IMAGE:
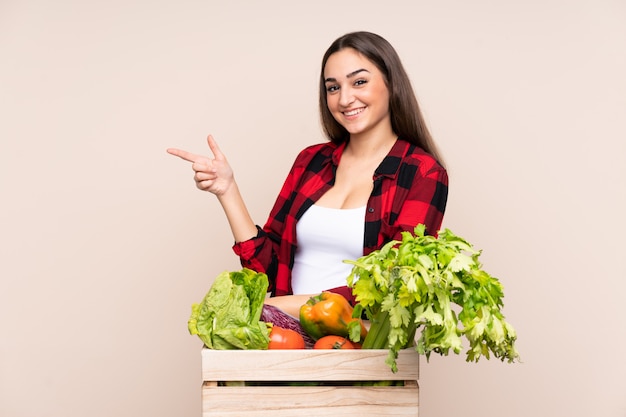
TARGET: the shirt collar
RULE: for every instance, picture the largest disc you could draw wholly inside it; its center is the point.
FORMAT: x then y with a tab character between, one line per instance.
337	152
390	165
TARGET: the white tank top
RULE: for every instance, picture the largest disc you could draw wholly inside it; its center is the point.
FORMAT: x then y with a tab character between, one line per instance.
326	237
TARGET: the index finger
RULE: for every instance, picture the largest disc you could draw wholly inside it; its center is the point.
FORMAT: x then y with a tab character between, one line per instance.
187	156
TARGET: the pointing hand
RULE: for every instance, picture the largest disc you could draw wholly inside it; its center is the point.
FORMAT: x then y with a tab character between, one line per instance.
210	174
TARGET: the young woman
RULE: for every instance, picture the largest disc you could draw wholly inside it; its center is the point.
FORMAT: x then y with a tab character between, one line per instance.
379	174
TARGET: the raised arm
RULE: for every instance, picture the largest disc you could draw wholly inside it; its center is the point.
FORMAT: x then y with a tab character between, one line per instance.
216	176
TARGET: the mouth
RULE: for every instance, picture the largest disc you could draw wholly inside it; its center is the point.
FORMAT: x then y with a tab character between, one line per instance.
353	112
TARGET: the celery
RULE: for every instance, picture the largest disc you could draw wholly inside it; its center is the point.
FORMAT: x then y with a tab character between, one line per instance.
414	284
378	332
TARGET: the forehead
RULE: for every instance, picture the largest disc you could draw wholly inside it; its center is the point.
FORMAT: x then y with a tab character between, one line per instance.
346	61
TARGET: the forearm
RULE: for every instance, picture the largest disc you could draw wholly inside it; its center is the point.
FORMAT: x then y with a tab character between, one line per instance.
290	304
241	224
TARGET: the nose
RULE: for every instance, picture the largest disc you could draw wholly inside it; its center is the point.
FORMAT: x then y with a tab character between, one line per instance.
346	97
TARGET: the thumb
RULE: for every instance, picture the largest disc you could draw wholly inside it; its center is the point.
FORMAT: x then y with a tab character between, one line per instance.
217	153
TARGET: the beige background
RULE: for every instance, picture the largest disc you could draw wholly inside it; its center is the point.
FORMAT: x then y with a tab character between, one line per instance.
106	243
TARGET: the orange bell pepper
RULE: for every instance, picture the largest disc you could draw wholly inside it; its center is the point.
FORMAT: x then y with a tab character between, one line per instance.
328	314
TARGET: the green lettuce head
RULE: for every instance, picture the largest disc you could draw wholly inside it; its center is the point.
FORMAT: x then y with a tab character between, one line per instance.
229	315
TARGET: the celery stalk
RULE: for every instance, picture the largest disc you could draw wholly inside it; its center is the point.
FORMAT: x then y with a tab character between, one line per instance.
378	332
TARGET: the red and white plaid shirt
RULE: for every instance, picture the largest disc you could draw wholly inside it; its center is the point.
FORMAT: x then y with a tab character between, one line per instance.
410	188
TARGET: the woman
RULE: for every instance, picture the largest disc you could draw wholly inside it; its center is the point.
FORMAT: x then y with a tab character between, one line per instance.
378	175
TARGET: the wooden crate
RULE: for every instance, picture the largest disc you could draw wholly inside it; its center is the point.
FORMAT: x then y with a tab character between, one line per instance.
270	370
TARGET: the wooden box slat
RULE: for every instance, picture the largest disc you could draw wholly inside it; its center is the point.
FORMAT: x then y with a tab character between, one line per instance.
310	401
306	364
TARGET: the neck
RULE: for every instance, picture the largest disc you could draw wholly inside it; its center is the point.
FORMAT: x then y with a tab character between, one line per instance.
372	146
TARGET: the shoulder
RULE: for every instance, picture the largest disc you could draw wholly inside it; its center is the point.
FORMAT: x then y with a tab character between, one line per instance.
321	151
326	148
414	155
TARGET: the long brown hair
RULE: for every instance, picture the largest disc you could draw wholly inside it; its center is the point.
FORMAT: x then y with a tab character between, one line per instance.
406	117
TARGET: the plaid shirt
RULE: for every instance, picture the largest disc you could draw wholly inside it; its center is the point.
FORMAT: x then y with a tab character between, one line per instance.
410	187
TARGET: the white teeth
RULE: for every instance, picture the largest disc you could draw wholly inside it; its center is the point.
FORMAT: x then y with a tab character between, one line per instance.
353	112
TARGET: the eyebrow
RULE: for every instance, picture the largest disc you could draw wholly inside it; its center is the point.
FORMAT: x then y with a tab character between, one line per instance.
350	75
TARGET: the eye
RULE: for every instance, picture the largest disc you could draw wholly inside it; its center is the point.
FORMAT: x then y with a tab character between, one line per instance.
331	88
360	82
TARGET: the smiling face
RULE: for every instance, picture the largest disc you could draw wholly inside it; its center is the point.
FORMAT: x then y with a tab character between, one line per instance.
356	94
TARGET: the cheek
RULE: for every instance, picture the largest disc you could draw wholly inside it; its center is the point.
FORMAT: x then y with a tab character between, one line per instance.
332	102
382	94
